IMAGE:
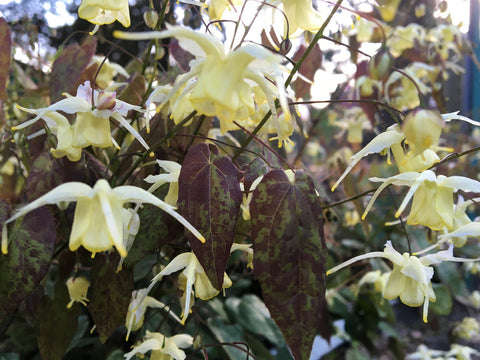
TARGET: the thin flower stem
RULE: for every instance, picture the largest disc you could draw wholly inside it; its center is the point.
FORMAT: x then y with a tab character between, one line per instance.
266	145
142	158
358	196
317	37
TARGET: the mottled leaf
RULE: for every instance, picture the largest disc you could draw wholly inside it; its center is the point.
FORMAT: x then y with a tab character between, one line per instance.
5	56
111	294
68	67
56	324
290	256
30	250
253	170
209	196
309	67
48	172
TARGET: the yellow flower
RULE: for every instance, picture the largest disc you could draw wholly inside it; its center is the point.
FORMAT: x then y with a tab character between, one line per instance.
77	289
131	225
219	83
107	72
432	197
406	161
388	9
98	220
411	276
137	308
195	276
301	16
92	124
162	347
422	129
173	172
60	127
100	12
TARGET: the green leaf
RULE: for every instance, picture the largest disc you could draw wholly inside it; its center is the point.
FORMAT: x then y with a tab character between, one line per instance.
229	335
111	294
290	256
255	317
69	66
209	197
30	250
5	56
56	324
443	305
451	277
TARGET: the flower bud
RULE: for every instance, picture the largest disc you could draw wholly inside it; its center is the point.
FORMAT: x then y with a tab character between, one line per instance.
285	46
422	129
380	64
151	18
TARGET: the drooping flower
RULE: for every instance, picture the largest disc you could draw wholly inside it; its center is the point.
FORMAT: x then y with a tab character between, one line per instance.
219	83
388	9
107	71
98	220
195	277
406	160
162	347
100	12
77	289
137	308
92	123
301	17
131	225
391	140
410	279
432	204
173	172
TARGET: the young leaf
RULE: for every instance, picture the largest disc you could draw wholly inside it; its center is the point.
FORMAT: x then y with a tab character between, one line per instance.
290	256
68	67
30	251
111	294
209	196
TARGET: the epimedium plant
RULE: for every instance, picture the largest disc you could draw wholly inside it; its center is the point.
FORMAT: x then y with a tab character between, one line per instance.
181	229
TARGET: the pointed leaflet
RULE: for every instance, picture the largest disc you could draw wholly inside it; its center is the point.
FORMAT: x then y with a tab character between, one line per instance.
68	67
209	196
111	294
30	250
5	56
290	253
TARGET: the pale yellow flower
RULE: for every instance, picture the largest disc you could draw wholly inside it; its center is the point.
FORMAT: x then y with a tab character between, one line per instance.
301	17
77	289
219	82
195	277
100	12
108	71
388	9
171	176
92	123
162	347
98	220
137	308
410	279
432	197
